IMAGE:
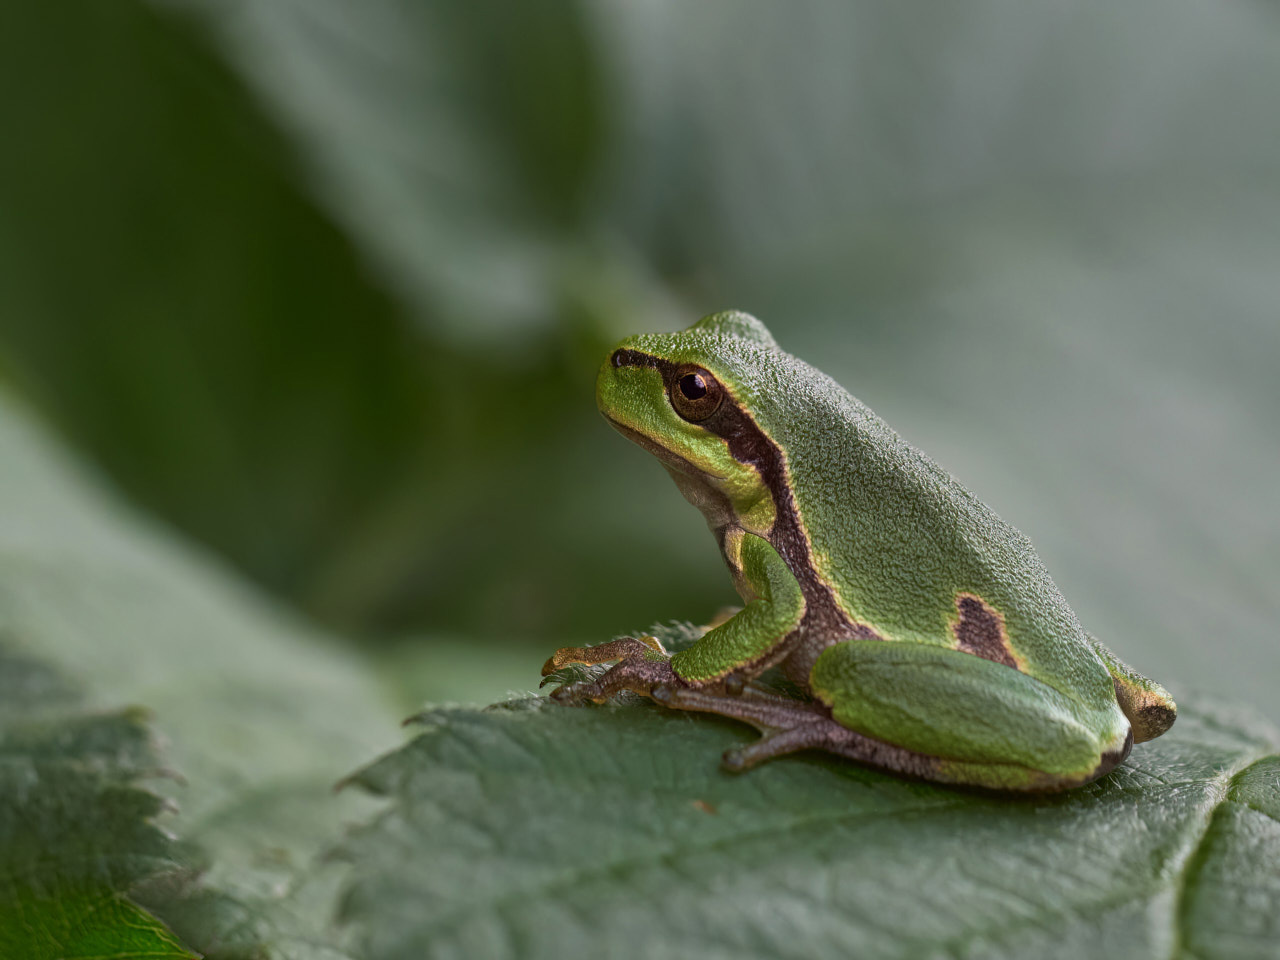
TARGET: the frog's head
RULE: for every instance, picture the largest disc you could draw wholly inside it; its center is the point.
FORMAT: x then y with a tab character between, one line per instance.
684	397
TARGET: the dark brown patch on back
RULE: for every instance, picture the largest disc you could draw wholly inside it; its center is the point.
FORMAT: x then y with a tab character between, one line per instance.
980	631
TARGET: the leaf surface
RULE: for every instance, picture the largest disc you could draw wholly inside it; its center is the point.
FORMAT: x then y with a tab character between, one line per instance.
262	714
535	830
77	829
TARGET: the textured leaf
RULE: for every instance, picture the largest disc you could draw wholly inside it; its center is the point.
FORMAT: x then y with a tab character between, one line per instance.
68	924
535	830
77	831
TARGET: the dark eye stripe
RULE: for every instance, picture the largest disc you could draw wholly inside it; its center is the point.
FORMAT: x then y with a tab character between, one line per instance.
634	358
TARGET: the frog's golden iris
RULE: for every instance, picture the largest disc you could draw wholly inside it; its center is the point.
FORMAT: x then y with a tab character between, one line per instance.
695	393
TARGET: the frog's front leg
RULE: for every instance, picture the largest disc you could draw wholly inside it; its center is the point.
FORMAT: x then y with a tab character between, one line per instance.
753	639
643	664
723	658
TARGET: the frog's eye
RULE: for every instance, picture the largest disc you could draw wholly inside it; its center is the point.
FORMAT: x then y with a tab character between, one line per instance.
695	393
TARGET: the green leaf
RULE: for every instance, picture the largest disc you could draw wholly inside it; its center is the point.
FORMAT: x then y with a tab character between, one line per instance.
274	397
466	190
262	715
94	924
536	830
78	833
265	388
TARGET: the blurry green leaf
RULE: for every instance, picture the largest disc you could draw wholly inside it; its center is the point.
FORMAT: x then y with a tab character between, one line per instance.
176	302
535	830
171	300
77	831
262	715
456	140
753	135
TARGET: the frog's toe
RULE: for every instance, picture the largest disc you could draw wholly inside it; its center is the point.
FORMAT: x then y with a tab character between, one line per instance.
552	665
734	760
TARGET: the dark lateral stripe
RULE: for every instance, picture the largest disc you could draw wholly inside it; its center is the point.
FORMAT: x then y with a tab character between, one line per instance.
751	445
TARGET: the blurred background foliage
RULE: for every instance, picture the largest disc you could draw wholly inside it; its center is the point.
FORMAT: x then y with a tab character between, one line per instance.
324	285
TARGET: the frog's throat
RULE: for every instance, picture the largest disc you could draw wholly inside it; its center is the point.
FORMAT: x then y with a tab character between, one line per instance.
690	479
670	459
751	445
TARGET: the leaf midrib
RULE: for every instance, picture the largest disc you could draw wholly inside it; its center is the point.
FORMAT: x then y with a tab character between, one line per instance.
1194	856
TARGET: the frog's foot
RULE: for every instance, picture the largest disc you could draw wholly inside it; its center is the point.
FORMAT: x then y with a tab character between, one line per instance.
830	737
644	664
788	726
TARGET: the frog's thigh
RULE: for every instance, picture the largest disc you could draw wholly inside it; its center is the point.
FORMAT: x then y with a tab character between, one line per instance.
986	723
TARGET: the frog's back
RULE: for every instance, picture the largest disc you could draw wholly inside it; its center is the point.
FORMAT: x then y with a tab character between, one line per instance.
909	552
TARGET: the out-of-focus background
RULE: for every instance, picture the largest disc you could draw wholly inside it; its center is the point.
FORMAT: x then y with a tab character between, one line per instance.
324	285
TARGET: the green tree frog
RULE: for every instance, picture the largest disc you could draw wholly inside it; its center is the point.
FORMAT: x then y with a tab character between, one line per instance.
924	630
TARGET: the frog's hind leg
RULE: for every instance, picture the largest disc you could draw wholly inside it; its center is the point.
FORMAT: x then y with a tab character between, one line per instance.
980	722
788	726
1148	705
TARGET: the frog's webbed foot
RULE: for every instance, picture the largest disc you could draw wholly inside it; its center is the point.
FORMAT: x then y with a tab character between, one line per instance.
643	664
787	725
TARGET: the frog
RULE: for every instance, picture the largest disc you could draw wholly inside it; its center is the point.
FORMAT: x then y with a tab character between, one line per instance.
911	628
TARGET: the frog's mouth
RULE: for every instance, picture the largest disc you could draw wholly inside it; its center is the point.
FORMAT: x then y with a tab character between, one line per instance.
669	459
